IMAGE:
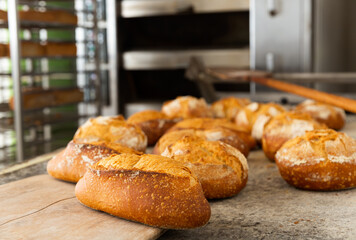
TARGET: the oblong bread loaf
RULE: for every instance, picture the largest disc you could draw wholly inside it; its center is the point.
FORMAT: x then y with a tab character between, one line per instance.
149	189
221	169
72	162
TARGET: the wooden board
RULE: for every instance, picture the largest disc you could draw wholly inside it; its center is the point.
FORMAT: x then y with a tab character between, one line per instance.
41	207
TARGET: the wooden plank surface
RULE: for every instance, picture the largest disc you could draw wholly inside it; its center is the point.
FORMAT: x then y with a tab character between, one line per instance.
41	207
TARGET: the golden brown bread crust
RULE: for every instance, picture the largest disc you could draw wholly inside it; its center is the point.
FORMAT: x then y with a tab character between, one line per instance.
112	129
49	16
72	163
186	107
319	160
254	116
149	189
228	107
39	98
284	127
221	169
153	123
331	116
217	134
210	123
60	49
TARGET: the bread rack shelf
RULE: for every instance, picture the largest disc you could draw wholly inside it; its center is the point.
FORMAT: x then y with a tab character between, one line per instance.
25	133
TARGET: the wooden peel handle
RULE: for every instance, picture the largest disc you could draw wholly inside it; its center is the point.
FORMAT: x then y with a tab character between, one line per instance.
342	102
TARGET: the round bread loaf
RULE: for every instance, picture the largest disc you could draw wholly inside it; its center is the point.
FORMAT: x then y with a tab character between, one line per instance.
284	127
218	134
319	160
228	107
149	189
72	162
221	169
153	123
112	129
210	123
186	107
254	116
331	116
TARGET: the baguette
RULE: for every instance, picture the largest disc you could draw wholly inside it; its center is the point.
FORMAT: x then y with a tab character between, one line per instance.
72	163
221	169
112	129
149	189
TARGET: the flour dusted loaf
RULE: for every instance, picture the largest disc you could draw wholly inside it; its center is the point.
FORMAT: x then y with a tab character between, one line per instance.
319	160
149	189
221	169
186	107
153	123
254	116
72	162
331	116
229	107
284	127
112	129
210	123
215	134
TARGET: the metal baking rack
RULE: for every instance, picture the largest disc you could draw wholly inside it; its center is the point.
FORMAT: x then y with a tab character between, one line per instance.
26	133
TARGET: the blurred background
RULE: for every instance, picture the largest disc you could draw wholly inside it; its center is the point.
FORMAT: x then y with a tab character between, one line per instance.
69	60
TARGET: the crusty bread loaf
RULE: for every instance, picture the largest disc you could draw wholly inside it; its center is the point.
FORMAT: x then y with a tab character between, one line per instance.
60	49
229	107
284	127
72	163
210	123
112	129
35	98
254	116
48	16
319	160
331	116
214	134
187	107
150	189
153	123
221	169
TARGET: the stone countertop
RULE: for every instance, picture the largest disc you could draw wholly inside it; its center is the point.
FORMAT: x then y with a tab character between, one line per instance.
267	208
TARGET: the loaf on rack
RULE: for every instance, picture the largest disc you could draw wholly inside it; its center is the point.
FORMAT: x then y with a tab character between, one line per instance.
319	160
214	134
187	107
34	49
153	123
149	189
229	107
112	129
60	49
48	16
221	169
72	162
210	123
254	116
331	116
36	98
284	127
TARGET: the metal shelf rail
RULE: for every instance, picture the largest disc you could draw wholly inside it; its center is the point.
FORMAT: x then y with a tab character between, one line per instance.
92	70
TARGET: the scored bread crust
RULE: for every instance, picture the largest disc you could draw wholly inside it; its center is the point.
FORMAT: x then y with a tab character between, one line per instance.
153	123
72	162
228	107
284	127
187	107
218	134
221	169
319	160
331	116
149	189
210	123
112	129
